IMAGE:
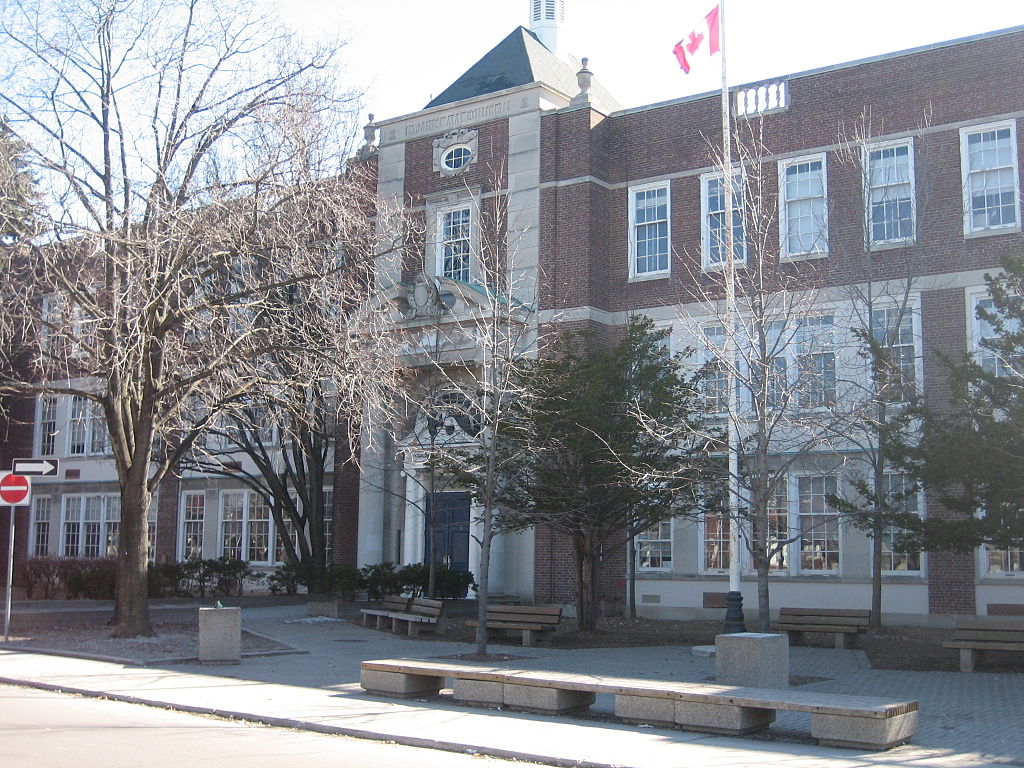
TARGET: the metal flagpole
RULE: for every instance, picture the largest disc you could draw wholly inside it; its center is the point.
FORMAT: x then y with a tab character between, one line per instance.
10	576
734	599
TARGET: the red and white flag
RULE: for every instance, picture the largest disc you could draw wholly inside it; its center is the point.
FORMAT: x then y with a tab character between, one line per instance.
703	41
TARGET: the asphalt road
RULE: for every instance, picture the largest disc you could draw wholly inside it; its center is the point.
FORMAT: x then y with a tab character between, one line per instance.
42	729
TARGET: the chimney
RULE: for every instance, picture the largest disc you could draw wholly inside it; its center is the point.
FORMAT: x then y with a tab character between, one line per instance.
547	22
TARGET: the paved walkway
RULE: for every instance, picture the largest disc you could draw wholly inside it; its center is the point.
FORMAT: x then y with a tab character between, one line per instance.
966	719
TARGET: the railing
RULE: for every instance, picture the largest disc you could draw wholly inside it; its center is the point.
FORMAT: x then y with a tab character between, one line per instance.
761	99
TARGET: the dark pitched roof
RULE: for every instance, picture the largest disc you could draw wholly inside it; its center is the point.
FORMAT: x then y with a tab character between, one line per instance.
519	59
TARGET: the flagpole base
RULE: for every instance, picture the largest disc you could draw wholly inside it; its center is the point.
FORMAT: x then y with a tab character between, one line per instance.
734	613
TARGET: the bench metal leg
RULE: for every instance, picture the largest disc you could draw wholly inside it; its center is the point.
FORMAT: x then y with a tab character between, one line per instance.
708	717
841	644
968	657
863	732
795	637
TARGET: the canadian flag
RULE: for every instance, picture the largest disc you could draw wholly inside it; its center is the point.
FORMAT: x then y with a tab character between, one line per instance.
702	41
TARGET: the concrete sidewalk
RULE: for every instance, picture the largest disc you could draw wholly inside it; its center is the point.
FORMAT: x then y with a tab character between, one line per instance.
966	720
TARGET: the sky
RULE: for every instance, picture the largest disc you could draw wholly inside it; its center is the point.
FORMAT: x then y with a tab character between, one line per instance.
404	52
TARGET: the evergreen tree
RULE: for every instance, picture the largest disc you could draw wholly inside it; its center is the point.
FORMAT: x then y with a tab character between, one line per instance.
17	189
971	456
583	459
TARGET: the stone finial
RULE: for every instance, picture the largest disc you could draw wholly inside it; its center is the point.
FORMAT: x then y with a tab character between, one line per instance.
585	78
369	137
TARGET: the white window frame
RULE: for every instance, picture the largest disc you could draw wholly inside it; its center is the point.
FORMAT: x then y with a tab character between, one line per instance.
975	333
42	523
870	185
468	207
466	152
820	246
710	334
723	541
970	230
246	521
890	531
1013	556
798	517
634	273
913	313
814	348
665	532
108	523
47	414
774	568
189	523
740	243
96	439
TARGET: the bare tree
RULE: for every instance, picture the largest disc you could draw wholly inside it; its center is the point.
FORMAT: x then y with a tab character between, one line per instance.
189	156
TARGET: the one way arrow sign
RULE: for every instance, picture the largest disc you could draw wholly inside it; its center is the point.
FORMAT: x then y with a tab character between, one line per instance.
35	467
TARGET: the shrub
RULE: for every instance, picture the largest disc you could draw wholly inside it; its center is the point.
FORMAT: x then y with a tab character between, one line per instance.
343	580
92	579
448	582
41	576
287	578
226	576
381	580
170	580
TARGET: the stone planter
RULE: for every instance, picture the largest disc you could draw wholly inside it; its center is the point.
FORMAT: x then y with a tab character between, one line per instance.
220	635
328	608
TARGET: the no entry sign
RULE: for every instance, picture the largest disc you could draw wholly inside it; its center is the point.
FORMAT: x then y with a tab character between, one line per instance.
15	490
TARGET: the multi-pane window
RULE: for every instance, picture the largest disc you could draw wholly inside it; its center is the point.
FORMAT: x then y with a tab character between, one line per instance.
649	241
716	541
654	547
91	525
778	526
988	157
819	524
714	232
803	220
901	496
41	507
893	331
890	193
1004	562
329	524
87	429
715	384
232	514
289	531
47	425
989	359
816	363
246	527
193	519
455	243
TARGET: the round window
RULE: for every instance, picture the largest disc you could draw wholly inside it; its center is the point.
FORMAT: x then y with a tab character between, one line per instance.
456	157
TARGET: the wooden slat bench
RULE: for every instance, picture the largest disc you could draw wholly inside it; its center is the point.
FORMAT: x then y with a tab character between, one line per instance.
421	613
381	617
844	623
528	619
836	720
974	636
1004	609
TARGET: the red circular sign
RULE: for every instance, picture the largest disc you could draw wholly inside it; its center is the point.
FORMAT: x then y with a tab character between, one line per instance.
14	489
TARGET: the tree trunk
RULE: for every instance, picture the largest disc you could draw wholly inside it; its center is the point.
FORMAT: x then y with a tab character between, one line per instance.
631	578
763	601
876	577
133	557
586	605
483	579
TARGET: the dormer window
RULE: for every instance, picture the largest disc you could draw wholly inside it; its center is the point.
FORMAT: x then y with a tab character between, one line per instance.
456	157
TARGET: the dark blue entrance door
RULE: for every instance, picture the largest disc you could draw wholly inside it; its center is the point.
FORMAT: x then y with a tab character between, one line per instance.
450	512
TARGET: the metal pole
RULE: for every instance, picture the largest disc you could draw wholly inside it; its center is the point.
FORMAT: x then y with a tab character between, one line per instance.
10	576
734	600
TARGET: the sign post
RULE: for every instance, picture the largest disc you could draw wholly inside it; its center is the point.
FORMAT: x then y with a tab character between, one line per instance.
15	491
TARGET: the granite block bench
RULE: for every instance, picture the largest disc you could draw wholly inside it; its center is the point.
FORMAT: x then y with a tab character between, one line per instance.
975	636
860	722
844	623
531	620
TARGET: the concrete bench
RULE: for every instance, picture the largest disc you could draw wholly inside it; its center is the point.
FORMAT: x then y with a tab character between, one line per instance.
381	617
528	619
420	614
836	720
974	636
844	623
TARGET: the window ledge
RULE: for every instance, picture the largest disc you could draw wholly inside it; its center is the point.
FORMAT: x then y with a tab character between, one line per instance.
650	276
992	232
891	245
809	256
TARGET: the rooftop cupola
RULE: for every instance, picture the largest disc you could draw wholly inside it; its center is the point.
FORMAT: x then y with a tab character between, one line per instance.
547	22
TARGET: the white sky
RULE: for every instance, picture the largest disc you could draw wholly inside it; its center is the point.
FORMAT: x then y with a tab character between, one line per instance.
404	52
